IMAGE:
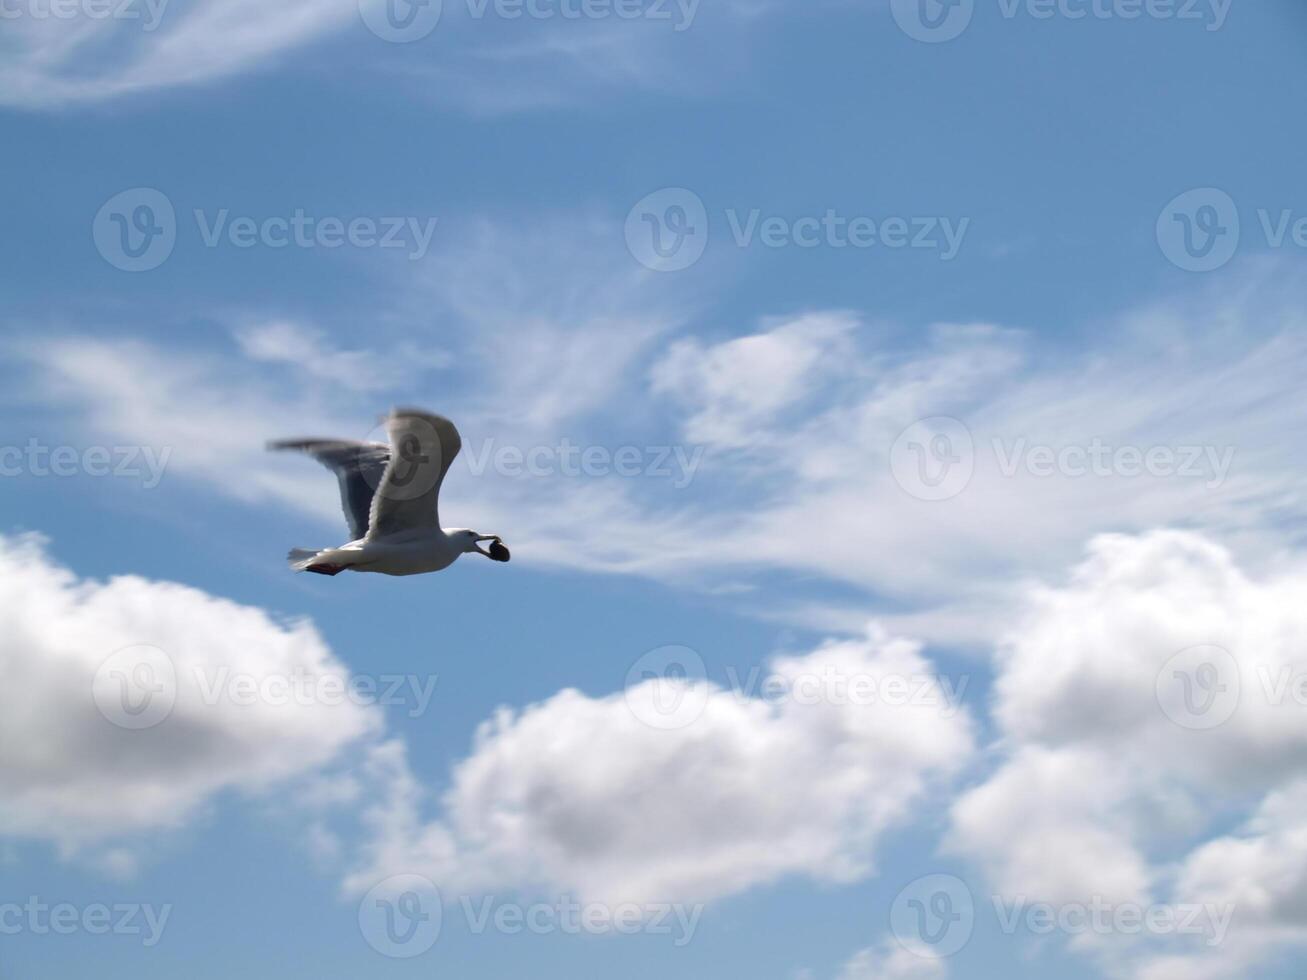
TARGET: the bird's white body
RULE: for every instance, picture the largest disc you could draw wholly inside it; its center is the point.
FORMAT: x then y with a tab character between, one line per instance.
408	553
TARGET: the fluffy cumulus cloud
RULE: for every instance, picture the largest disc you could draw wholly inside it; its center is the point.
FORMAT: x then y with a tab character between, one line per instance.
128	704
680	790
1144	706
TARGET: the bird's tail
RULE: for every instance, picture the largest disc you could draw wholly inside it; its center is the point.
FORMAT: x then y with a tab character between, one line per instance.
302	558
310	560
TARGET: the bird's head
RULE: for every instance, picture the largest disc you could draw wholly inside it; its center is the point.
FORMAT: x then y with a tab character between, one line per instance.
471	541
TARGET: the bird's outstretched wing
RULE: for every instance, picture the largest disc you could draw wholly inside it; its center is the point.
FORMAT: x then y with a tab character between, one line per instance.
422	447
359	468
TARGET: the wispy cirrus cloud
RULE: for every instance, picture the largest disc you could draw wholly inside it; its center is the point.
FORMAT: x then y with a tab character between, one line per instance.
479	56
53	61
928	473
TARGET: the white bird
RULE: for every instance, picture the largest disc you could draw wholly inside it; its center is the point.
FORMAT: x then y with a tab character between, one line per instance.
390	495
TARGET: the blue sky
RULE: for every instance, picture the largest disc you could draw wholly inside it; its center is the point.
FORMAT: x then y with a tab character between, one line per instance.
924	387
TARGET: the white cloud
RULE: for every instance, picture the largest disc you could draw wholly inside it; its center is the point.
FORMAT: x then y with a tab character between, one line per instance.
1261	872
555	320
311	352
1118	755
53	61
736	388
579	794
1203	382
890	961
71	775
521	376
486	64
480	64
798	419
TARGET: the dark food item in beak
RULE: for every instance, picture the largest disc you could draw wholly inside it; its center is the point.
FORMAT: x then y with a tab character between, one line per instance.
500	553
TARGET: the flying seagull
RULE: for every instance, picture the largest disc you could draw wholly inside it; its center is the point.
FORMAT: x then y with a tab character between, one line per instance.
389	494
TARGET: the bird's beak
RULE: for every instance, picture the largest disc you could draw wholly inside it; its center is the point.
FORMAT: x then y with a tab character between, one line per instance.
498	552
